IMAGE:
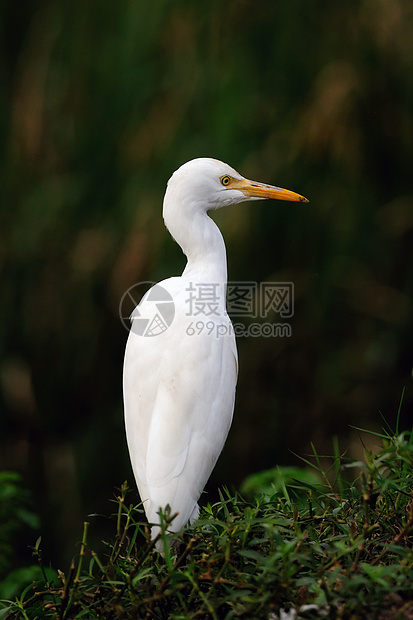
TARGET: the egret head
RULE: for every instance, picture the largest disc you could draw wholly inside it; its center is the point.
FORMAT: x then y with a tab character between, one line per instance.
207	183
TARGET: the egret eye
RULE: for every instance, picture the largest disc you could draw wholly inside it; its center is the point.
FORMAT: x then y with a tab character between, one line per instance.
225	180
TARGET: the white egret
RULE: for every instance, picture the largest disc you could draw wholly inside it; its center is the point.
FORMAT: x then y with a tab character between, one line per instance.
179	381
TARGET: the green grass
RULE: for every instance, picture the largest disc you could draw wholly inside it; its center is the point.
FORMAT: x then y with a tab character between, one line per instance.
336	535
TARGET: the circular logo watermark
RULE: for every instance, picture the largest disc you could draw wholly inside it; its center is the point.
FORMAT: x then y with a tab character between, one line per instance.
146	309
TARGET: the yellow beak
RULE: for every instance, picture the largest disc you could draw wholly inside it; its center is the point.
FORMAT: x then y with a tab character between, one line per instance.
252	189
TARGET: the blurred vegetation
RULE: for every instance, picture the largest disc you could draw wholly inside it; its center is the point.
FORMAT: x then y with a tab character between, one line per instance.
17	522
100	103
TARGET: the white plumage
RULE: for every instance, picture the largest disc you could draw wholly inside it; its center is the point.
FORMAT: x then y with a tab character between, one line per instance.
179	385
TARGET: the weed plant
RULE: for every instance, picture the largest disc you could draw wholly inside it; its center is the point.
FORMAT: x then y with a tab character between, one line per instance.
333	541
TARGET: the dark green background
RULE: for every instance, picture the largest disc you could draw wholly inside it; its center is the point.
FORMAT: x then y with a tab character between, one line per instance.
101	102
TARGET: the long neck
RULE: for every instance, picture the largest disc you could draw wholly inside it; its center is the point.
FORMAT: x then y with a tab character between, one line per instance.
200	239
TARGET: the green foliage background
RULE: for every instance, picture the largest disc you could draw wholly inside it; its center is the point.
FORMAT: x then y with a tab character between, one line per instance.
101	101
